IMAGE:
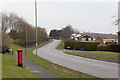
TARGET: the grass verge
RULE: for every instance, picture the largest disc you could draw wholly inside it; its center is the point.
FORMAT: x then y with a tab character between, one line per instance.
60	45
0	66
103	53
57	69
10	68
116	60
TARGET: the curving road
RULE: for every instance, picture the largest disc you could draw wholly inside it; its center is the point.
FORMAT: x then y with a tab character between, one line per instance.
96	68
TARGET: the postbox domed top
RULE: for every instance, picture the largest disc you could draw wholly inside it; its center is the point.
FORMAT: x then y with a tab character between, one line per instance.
19	50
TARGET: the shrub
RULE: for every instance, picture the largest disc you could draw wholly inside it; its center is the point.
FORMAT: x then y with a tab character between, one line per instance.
70	44
17	41
3	51
78	45
91	46
102	48
112	48
74	45
115	48
67	43
110	43
6	41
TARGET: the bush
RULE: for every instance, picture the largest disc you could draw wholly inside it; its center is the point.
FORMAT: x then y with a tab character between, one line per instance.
79	45
17	41
114	48
110	43
69	44
74	45
6	42
91	46
102	48
3	51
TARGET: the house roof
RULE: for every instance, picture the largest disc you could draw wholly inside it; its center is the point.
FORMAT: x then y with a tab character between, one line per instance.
73	34
78	35
102	36
96	35
86	35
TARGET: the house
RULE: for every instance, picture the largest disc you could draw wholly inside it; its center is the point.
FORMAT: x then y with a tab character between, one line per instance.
78	36
87	38
99	39
103	41
73	37
84	38
95	37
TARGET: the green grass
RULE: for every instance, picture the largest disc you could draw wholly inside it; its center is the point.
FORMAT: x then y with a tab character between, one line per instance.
60	45
10	68
0	66
15	47
98	57
103	53
57	69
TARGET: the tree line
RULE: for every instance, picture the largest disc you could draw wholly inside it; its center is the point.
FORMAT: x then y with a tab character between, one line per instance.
19	31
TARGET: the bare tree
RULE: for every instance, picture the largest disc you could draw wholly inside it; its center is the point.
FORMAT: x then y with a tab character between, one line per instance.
67	32
4	19
6	41
42	34
20	30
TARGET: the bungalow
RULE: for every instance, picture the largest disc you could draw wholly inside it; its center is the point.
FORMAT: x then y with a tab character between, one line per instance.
87	38
73	37
99	39
103	38
84	38
103	41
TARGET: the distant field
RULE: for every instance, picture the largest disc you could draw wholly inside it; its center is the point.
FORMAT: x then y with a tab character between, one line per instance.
114	54
10	68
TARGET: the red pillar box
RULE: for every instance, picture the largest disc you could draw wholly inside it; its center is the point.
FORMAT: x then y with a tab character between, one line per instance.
20	61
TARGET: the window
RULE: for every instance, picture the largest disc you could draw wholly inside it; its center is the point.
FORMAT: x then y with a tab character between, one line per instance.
83	39
89	39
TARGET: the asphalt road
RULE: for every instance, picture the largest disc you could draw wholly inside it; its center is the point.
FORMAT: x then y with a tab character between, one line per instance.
96	68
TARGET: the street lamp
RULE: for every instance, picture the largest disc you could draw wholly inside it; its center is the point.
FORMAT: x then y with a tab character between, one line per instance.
36	29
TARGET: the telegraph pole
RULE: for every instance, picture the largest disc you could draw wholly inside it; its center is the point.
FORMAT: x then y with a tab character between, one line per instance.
36	29
26	41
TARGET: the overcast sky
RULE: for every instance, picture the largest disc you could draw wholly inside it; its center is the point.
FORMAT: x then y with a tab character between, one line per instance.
93	16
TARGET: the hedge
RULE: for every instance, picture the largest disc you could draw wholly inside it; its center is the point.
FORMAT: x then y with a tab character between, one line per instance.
110	43
102	48
89	46
112	48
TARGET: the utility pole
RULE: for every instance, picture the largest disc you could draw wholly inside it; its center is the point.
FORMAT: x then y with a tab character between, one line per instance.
26	41
36	29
